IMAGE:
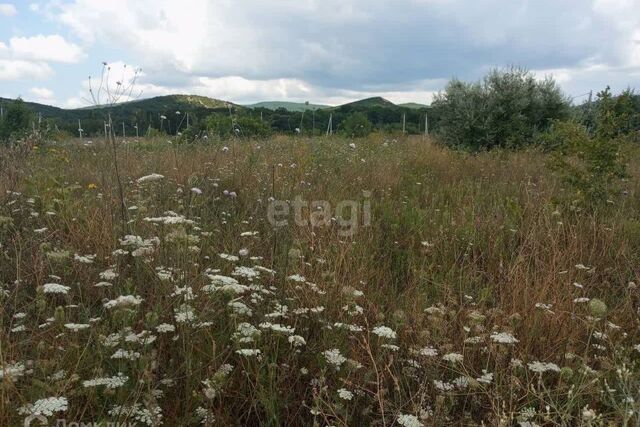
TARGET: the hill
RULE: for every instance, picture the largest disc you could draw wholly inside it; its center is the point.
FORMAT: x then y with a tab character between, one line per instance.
376	101
289	106
413	105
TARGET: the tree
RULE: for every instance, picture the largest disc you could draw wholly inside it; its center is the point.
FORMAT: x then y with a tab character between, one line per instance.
591	163
244	125
15	122
357	125
506	109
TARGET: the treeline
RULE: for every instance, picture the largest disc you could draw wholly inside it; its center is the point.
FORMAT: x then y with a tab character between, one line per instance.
509	108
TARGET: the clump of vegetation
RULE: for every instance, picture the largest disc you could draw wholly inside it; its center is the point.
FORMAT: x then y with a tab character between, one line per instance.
357	125
507	109
15	124
225	126
592	163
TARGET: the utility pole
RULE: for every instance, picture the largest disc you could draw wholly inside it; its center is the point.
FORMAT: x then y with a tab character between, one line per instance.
136	128
426	124
187	120
330	125
79	129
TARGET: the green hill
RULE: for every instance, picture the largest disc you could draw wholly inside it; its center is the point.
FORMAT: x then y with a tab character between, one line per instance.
376	101
413	105
289	106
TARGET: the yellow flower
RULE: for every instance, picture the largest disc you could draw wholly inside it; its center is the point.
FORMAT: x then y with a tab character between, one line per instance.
92	186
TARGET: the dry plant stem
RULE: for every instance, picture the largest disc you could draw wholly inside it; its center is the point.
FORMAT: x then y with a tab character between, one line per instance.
123	205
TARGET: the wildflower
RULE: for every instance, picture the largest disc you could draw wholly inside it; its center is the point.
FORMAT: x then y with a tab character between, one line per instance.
84	259
503	338
227	257
184	314
276	327
334	357
103	285
486	377
453	357
239	308
297	340
597	307
109	382
428	351
384	332
345	394
165	327
150	178
443	386
125	354
75	327
297	278
45	407
124	301
246	333
55	288
542	367
588	414
409	421
196	191
150	416
12	371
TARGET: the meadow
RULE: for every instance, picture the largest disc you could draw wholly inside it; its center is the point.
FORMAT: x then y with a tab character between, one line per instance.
456	289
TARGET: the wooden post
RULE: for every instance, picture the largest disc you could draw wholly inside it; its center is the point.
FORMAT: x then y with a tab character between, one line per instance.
426	124
404	123
123	133
79	129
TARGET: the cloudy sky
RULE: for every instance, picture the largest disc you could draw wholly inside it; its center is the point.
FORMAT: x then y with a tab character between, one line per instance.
323	51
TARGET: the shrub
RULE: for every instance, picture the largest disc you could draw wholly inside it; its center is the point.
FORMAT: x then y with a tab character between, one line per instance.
506	109
357	125
247	126
590	162
15	122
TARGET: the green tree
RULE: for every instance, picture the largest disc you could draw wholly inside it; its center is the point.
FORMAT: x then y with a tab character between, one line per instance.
591	163
242	126
16	121
508	108
357	125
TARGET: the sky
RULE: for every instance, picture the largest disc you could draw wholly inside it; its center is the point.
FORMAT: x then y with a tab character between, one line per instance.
321	51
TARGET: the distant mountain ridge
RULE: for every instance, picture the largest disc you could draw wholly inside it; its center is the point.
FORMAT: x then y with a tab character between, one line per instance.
289	106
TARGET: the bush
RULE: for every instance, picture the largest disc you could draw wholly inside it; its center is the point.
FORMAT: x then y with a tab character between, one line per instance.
15	122
590	162
357	125
506	109
246	126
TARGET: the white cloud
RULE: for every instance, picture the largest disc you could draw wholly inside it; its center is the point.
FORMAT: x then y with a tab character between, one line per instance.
41	92
52	48
41	95
8	9
15	69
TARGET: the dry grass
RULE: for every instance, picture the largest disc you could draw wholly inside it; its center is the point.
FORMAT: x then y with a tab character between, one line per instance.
459	247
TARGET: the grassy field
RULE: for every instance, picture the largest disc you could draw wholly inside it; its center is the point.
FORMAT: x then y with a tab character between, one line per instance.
461	290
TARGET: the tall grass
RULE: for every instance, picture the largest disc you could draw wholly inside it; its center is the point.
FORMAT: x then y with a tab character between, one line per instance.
480	256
